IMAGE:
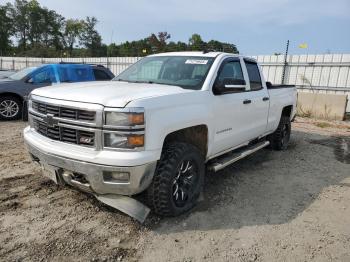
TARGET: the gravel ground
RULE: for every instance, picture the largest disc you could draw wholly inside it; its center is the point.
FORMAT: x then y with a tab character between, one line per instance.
272	206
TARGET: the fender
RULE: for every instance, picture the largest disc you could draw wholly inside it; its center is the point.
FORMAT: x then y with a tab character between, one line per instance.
165	115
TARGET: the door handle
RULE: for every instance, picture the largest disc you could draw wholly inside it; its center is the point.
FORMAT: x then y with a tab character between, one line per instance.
266	98
247	101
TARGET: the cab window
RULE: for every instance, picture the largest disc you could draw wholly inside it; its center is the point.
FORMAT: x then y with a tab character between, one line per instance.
230	78
231	70
254	76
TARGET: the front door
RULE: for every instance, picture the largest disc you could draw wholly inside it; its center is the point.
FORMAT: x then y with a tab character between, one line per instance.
231	109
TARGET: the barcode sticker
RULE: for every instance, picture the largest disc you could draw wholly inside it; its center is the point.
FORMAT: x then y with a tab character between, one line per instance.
196	62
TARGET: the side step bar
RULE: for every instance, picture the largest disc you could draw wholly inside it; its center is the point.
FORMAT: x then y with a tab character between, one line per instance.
225	161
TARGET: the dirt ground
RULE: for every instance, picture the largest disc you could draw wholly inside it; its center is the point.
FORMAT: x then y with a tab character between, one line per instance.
272	206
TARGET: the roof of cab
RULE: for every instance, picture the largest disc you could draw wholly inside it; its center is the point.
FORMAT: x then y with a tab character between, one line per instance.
194	53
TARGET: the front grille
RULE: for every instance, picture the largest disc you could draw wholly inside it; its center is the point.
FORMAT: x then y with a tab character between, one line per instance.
65	134
63	112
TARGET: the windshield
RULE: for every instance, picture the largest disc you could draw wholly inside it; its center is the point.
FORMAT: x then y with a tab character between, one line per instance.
185	71
22	73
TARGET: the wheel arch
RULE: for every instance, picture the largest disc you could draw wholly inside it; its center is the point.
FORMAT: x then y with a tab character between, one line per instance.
12	94
196	135
287	111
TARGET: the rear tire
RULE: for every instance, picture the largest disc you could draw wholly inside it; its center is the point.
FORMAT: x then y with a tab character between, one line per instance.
279	140
178	180
10	108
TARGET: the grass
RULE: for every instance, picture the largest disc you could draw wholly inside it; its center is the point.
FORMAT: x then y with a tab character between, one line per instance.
303	113
323	124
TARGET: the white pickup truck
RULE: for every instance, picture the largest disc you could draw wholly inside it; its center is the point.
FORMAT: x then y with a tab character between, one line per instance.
157	127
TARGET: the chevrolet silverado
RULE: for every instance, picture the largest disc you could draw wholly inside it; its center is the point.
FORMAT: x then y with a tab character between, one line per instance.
157	127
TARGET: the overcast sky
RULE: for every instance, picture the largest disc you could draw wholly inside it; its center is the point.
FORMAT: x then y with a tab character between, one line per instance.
255	26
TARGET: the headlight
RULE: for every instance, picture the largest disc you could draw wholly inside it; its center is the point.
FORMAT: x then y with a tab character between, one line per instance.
124	141
134	117
124	128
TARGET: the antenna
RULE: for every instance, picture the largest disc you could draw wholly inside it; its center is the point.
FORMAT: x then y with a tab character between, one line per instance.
285	63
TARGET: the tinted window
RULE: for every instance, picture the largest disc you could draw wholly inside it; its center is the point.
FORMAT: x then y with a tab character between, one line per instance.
254	76
75	73
44	76
231	70
101	75
82	74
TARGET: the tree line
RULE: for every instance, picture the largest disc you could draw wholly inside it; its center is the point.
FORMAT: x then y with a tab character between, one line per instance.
29	29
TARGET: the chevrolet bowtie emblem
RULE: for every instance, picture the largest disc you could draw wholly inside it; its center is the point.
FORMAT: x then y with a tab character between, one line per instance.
50	121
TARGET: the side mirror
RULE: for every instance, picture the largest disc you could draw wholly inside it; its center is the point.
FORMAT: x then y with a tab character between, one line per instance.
268	84
229	85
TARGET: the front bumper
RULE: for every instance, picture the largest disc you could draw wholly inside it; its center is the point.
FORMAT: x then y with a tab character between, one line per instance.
68	169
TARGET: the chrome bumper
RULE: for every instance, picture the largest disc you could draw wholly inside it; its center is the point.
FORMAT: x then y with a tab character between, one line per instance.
93	180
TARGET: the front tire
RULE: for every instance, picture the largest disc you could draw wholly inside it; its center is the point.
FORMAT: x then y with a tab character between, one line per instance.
279	140
178	180
10	108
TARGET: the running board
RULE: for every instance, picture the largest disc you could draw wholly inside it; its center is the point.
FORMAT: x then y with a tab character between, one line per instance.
241	153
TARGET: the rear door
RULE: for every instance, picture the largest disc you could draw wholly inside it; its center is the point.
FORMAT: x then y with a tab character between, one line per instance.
258	110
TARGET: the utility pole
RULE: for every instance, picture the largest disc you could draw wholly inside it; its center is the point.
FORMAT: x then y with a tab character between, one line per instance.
285	63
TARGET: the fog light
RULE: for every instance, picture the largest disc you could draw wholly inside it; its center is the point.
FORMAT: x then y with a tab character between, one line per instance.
116	176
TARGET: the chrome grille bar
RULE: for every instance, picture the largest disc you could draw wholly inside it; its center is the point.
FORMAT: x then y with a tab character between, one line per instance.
64	134
64	112
65	121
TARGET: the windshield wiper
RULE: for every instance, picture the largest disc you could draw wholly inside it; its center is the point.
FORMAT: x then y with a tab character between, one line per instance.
131	81
122	80
146	82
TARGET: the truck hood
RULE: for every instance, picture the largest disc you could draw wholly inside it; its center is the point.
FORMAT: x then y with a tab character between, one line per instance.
110	93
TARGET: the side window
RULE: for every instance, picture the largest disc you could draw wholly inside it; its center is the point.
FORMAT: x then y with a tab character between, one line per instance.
231	72
254	76
82	74
101	75
75	73
44	76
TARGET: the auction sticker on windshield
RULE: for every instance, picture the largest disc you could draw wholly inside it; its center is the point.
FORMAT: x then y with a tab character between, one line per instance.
196	62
